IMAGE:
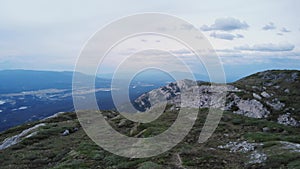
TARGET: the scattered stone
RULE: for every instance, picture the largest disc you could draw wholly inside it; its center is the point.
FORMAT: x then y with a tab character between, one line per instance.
242	147
66	132
75	129
294	76
134	129
287	120
257	157
122	122
287	91
275	104
256	96
265	94
116	117
266	129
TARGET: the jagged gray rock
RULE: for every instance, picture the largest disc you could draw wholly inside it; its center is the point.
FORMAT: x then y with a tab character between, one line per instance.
275	104
287	120
66	132
18	138
242	147
266	129
265	94
291	146
287	91
250	108
203	96
256	96
257	157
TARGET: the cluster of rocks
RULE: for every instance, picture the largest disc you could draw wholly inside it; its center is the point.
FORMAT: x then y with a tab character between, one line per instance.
69	131
186	93
260	105
242	147
287	120
275	104
204	96
250	108
257	157
245	147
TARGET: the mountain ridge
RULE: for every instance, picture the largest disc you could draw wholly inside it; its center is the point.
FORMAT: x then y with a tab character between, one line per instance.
241	139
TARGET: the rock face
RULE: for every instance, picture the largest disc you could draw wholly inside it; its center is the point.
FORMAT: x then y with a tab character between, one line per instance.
17	138
250	108
195	96
269	94
204	96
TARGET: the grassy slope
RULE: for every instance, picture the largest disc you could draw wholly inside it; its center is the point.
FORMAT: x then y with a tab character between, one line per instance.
275	83
48	149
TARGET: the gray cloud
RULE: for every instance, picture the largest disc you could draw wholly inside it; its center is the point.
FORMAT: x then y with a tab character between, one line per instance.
280	34
269	26
283	29
268	47
226	24
225	36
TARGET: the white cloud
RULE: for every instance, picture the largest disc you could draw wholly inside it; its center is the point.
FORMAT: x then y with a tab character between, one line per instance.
235	57
267	47
226	24
283	29
269	26
225	36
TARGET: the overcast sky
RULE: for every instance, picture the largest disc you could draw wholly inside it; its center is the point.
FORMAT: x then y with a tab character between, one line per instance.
248	36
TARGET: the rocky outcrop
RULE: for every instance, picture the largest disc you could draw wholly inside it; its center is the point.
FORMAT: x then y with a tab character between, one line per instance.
257	157
203	96
267	94
275	104
242	147
18	138
294	147
287	120
256	96
250	108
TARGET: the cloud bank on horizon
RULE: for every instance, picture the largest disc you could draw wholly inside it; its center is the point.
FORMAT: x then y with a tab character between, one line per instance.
248	38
